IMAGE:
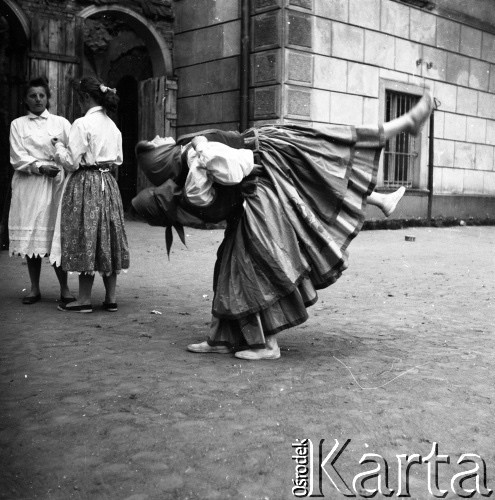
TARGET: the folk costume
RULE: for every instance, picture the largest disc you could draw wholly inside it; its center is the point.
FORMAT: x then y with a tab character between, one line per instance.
93	237
35	197
293	198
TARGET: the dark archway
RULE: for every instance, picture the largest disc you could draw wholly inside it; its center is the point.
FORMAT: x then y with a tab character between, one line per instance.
127	121
14	36
161	57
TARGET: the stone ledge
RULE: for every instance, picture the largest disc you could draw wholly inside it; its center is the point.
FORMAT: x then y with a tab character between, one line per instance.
434	222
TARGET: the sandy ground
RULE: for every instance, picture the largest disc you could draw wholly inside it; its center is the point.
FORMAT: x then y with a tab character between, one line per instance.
398	355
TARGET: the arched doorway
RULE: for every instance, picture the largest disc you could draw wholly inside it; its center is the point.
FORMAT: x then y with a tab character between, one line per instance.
14	36
125	50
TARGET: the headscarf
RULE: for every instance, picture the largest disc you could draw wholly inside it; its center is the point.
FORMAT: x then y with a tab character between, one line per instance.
160	162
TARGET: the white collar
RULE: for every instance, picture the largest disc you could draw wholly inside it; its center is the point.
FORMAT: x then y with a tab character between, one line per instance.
94	109
44	115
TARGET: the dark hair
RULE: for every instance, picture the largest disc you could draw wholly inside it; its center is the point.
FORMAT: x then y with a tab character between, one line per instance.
39	81
102	94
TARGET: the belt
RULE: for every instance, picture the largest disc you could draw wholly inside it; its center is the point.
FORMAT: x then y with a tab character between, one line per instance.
98	166
103	168
251	140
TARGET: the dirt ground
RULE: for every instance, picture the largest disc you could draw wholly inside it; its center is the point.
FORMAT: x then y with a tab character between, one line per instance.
396	356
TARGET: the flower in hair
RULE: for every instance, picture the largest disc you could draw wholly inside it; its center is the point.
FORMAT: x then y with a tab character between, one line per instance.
106	89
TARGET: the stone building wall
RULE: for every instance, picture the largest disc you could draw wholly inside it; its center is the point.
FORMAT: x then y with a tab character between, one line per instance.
206	59
319	61
322	61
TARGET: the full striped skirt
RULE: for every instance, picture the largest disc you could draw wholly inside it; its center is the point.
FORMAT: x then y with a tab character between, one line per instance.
292	237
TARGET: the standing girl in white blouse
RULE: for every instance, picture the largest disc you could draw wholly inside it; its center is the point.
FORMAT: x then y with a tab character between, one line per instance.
36	185
93	237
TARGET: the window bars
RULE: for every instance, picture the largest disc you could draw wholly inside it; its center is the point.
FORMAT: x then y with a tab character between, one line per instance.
402	151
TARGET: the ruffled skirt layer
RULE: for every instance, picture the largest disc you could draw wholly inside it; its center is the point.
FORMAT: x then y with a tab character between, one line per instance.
33	212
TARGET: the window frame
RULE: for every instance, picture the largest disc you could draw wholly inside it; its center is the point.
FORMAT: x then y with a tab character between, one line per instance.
419	175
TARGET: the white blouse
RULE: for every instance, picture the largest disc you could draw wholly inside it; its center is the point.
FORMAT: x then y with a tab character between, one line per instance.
93	139
30	140
215	162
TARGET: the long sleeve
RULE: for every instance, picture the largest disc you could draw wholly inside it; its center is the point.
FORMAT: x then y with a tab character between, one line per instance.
225	165
65	132
198	189
70	156
120	152
214	162
20	158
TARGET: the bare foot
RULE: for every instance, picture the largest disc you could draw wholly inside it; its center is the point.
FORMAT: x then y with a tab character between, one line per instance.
420	113
390	201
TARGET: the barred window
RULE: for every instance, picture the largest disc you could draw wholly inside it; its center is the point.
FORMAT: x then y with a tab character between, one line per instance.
401	154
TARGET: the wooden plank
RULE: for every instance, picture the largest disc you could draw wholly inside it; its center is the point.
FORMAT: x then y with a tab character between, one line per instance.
52	76
43	35
156	92
56	43
141	111
171	109
36	54
38	67
35	33
70	104
33	68
163	103
70	38
43	68
150	118
64	90
79	41
145	121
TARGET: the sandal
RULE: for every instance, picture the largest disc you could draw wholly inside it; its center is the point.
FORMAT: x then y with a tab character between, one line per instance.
32	299
110	306
66	300
83	308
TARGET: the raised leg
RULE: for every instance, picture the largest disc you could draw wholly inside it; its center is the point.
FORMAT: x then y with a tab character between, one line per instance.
386	202
413	120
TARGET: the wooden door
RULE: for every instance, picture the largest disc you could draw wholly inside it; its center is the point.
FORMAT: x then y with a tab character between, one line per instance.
56	49
157	113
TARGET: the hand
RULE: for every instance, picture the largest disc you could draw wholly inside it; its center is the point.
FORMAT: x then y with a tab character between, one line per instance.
49	170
